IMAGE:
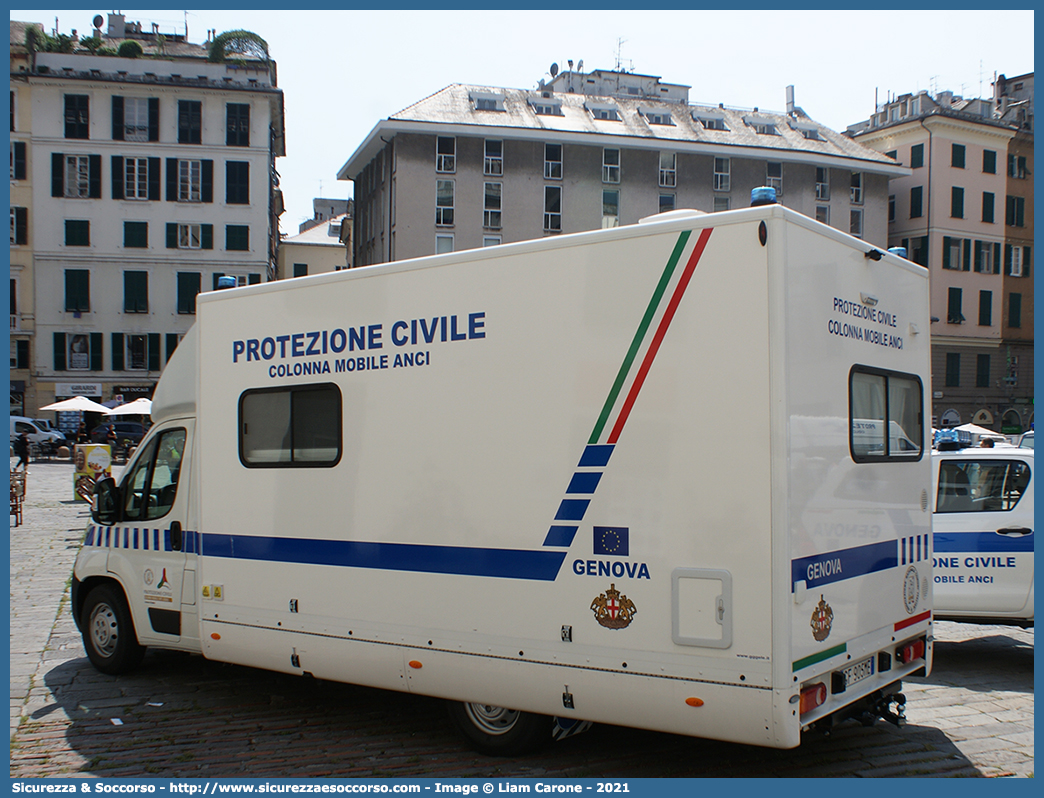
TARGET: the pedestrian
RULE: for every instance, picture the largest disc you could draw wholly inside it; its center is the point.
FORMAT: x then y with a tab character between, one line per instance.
21	448
986	443
81	433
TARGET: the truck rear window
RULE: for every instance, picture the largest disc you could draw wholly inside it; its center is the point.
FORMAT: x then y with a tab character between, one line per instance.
295	426
886	415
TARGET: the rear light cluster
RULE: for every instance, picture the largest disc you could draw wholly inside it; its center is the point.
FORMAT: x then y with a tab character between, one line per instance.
911	651
813	696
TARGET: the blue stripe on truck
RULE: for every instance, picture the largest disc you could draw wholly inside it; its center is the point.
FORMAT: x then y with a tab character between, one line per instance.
981	542
835	566
460	560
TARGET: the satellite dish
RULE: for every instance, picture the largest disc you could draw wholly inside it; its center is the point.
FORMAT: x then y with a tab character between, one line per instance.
98	20
554	70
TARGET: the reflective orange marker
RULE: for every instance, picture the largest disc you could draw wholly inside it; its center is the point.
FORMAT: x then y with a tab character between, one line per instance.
694	702
416	665
215	636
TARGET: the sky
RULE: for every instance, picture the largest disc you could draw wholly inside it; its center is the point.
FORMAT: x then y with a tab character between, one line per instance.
342	71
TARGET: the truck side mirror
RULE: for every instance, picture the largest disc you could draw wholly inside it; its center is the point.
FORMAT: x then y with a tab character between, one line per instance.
105	504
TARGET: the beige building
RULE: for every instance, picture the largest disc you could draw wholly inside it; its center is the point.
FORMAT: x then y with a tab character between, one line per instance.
323	247
965	210
473	166
137	178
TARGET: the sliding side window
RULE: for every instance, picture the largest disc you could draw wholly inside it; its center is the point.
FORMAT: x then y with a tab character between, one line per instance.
886	413
290	427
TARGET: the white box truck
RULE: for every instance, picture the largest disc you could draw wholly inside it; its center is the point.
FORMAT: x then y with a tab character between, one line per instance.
628	476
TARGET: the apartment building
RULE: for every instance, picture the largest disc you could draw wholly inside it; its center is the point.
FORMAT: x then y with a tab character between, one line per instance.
474	166
136	183
965	210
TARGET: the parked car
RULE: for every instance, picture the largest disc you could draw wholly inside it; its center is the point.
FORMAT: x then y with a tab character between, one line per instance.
125	431
45	425
983	535
37	434
1026	440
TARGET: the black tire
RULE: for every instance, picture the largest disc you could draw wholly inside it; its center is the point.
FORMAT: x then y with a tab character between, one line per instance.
496	731
108	632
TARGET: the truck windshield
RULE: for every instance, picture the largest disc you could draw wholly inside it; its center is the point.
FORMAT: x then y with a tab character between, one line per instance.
150	488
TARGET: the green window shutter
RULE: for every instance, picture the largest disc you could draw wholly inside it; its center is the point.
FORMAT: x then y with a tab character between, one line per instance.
172	235
135	292
1026	252
172	344
22	355
188	288
94	176
57	174
117	175
206	236
96	351
253	279
996	257
153	119
136	235
117	118
966	265
172	180
1007	259
154	351
946	252
59	351
154	179
77	290
978	256
237	237
19	160
117	351
206	183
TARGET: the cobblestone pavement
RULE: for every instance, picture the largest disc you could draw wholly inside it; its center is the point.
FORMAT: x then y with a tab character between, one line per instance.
181	716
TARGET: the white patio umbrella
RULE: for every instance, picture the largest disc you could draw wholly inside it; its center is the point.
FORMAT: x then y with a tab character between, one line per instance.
139	407
77	403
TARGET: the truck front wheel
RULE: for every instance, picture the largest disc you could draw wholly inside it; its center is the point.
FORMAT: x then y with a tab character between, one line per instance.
108	632
497	731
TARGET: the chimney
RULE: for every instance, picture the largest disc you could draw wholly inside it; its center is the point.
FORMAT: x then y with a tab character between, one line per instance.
117	26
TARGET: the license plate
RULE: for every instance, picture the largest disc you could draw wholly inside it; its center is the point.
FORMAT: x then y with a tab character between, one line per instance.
858	671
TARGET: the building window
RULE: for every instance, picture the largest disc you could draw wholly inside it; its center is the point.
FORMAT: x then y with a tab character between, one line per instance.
135	178
552	161
658	118
666	203
917	156
610	208
953	306
982	371
300	270
957	156
77	233
77	176
136	235
135	292
810	133
190	122
918	250
1017	166
445	154
722	204
765	129
952	258
1015	212
610	165
491	207
985	308
989	162
493	163
77	116
190	179
721	174
774	177
856	190
1014	310
552	209
135	119
822	183
987	206
190	236
1014	258
823	214
77	290
491	241
855	224
916	200
137	351
546	109
712	122
987	255
953	369
237	182
668	169
605	113
237	125
19	226
956	202
886	411
188	287
891	207
237	237
444	202
18	160
443	244
79	351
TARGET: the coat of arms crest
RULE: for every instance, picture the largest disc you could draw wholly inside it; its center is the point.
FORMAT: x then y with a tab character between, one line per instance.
822	618
613	610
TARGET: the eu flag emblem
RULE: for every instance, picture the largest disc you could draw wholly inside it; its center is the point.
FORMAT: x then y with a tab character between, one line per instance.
611	540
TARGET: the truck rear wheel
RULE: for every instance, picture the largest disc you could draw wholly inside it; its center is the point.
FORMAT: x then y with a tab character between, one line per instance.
498	731
108	632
